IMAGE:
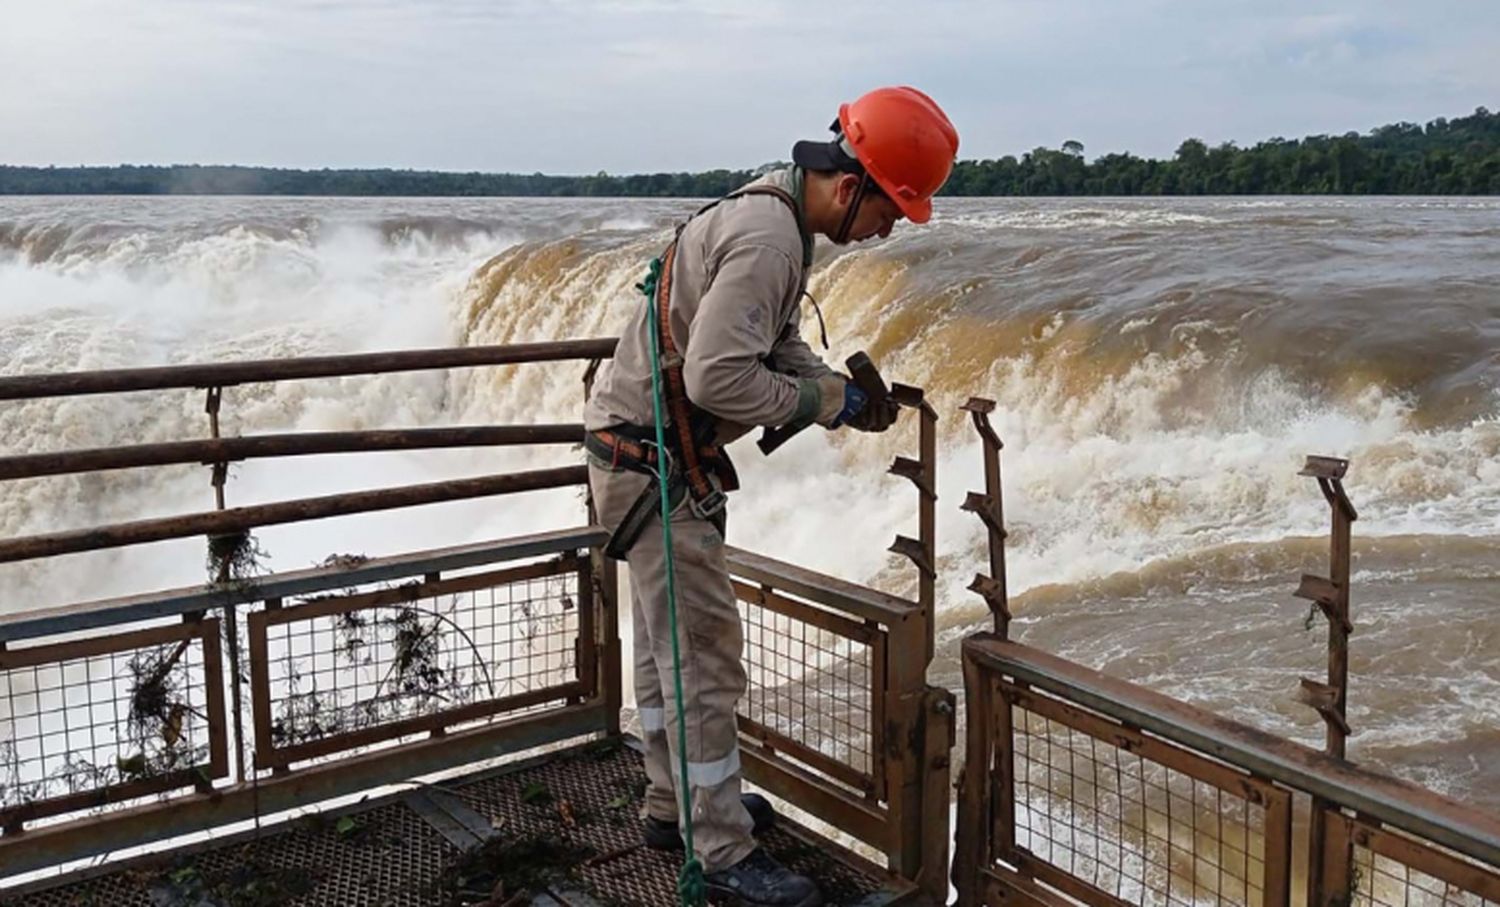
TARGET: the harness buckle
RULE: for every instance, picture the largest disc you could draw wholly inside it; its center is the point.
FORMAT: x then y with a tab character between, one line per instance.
711	505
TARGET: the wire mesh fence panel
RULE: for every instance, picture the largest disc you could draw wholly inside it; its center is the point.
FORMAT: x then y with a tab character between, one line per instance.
347	671
1108	815
814	680
108	719
1390	869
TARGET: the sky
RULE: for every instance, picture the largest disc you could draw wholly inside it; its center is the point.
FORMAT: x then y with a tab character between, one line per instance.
624	86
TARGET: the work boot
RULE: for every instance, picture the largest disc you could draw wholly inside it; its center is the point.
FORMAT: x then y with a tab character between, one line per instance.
662	834
760	881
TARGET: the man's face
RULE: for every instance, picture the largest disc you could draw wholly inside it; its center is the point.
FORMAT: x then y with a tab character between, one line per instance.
877	213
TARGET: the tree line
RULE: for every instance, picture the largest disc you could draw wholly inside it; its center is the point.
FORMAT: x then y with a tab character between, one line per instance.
1445	157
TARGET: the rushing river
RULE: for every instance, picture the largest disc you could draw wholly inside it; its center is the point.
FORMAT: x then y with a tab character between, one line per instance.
1161	368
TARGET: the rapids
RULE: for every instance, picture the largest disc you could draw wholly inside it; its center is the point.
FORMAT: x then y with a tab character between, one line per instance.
1161	367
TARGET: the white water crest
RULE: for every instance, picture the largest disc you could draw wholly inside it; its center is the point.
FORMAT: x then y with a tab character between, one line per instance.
1161	370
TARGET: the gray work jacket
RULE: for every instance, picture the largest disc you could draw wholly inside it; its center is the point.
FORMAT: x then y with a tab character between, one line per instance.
737	282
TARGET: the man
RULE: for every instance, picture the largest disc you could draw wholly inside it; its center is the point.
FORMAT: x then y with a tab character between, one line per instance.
728	293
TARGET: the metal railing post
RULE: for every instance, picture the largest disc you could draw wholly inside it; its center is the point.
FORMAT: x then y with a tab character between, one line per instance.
989	507
921	551
922	727
1329	876
605	574
218	475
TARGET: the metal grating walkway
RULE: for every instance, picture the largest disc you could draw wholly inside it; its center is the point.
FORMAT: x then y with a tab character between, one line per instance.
402	851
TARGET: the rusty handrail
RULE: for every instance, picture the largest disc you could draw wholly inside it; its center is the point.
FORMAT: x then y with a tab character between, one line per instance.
1399	803
340	573
241	519
861	601
227	374
227	450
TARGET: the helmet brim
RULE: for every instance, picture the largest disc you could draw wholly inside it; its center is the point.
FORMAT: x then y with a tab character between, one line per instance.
918	211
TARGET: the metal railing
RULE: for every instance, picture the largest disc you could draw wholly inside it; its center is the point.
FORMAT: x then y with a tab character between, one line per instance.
134	720
123	737
1079	788
838	716
148	717
1082	785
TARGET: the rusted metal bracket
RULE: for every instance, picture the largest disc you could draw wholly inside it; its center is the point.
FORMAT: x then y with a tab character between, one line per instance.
988	511
1330	472
1325	700
914	551
908	396
980	408
993	593
907	468
1323	593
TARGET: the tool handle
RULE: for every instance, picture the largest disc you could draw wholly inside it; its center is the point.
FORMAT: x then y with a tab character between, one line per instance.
867	377
772	438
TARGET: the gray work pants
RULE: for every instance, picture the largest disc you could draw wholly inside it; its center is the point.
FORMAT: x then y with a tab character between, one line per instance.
713	677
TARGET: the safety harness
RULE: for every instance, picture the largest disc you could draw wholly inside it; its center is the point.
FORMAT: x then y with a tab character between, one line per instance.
694	461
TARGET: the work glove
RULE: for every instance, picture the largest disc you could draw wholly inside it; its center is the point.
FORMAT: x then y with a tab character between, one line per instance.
875	417
838	400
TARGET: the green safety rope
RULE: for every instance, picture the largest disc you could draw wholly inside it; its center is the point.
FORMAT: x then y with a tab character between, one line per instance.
691	889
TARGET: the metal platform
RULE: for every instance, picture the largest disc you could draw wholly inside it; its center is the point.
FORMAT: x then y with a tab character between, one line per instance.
404	850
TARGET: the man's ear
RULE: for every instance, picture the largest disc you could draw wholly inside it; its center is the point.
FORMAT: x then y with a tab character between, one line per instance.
845	188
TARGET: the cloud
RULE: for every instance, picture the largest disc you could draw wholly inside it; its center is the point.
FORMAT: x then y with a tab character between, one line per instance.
632	85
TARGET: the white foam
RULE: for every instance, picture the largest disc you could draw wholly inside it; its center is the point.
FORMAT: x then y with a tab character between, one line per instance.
1092	217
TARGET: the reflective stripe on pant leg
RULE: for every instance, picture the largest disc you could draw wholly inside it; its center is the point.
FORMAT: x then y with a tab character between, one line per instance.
653	720
712	774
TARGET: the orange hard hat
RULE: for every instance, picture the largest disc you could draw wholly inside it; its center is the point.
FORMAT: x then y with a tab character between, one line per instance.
905	142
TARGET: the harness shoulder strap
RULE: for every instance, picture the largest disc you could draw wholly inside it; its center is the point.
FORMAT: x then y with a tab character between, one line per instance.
703	492
759	189
691	449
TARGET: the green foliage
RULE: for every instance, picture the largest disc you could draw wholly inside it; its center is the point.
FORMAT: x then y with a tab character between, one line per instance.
1446	157
193	179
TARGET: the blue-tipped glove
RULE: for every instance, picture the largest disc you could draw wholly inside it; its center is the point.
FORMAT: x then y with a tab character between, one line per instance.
854	401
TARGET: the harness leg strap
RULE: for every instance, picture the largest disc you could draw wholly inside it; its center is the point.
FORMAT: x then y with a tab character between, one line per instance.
634	523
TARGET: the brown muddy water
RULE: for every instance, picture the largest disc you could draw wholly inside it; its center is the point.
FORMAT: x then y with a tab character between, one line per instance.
1161	367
